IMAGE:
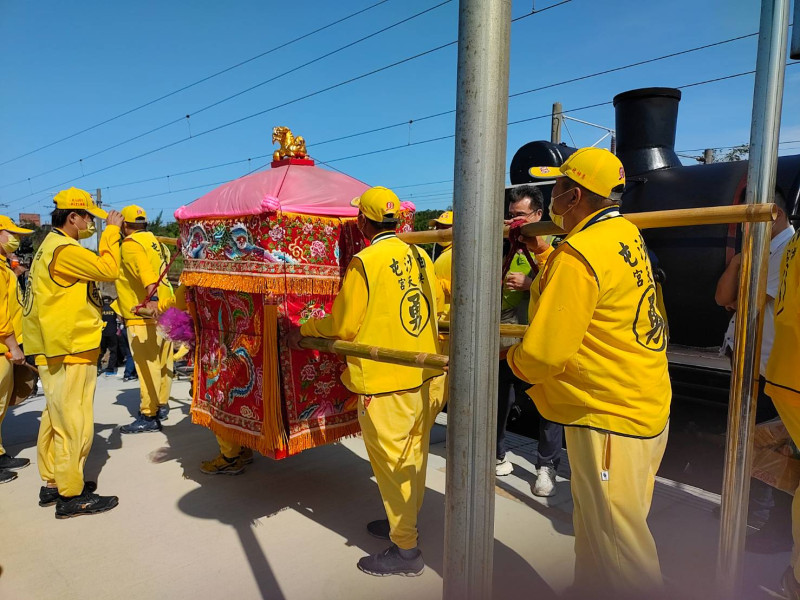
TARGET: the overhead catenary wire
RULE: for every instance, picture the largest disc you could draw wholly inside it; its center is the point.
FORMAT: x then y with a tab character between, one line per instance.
446	137
394	125
452	111
180	119
198	82
235	95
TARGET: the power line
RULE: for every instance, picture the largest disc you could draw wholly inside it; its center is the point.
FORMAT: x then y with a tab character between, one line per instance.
448	112
199	81
441	47
732	147
237	94
441	138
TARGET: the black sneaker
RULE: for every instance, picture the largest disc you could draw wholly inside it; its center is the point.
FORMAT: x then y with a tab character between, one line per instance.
142	424
6	476
85	504
49	496
8	462
163	412
393	561
379	529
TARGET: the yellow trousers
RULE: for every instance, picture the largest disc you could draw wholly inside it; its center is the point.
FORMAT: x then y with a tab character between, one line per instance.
788	406
612	487
153	358
6	391
396	429
67	427
229	449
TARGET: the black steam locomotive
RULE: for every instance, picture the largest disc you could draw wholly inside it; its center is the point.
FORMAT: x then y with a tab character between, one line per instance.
692	258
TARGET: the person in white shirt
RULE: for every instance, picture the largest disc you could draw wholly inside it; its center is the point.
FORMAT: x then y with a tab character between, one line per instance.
761	498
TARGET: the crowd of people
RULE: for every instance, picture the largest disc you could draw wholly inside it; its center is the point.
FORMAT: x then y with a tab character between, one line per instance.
592	359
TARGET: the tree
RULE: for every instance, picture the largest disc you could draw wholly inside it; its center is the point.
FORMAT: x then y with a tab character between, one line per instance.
741	152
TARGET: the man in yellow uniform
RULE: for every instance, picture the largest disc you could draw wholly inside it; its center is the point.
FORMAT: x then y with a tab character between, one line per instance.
10	337
443	265
144	258
62	327
783	381
389	297
595	350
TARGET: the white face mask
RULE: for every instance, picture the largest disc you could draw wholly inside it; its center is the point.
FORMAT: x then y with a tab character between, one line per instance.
558	220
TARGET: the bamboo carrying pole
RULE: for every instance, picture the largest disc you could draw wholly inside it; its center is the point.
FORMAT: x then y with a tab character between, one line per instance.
506	330
386	355
682	217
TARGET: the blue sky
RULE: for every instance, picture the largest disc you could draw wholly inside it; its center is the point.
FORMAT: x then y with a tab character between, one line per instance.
70	65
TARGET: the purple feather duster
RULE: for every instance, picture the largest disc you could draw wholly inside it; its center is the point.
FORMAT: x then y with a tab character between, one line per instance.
176	326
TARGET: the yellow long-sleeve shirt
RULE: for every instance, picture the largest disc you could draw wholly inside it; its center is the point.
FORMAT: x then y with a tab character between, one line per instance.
389	297
143	259
595	345
443	267
55	315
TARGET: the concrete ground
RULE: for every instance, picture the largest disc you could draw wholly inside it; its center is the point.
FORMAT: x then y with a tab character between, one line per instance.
294	529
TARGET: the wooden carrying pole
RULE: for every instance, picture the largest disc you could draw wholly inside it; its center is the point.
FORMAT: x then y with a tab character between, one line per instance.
385	355
683	217
506	330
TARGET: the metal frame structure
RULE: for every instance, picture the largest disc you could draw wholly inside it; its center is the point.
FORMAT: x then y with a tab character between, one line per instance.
761	174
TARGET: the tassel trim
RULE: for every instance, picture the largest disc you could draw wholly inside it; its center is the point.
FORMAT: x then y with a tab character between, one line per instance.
259	284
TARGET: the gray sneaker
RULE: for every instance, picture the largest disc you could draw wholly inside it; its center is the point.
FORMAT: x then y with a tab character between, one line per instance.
393	561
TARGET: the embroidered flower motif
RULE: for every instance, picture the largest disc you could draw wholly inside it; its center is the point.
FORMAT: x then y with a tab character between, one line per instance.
308	229
308	373
325	367
329	231
323	388
317	313
317	249
277	233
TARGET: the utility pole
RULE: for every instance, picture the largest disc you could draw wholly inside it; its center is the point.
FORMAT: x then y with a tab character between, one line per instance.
484	28
708	156
761	174
555	126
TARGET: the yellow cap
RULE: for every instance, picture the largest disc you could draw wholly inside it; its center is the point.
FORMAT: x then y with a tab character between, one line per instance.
7	224
134	214
75	199
596	169
378	204
446	218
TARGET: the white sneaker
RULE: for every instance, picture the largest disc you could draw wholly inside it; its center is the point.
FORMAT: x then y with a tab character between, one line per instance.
503	468
545	485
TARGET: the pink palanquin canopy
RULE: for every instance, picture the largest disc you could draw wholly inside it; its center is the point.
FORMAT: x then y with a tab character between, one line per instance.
302	189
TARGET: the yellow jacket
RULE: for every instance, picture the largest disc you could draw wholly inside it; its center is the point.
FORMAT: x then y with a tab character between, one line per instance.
595	347
389	297
62	306
443	267
143	261
783	374
10	306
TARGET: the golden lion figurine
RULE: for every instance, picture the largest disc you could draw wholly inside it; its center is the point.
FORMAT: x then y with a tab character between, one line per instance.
291	147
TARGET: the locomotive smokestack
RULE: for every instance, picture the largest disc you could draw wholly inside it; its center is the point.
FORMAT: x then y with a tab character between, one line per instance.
646	121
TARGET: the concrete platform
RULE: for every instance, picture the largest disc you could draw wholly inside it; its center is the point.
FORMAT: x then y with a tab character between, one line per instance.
294	529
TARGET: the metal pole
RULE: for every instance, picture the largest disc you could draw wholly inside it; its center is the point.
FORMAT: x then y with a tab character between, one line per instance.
480	158
794	50
765	125
708	156
555	125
